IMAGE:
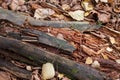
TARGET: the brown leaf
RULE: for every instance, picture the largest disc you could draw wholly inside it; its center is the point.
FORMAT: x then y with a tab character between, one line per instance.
14	4
65	7
104	17
4	76
35	6
43	12
77	15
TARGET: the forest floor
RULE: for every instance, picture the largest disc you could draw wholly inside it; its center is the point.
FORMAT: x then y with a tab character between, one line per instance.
98	48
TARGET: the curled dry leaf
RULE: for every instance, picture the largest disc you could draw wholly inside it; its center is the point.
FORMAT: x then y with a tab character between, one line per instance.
48	71
89	60
77	15
96	64
43	13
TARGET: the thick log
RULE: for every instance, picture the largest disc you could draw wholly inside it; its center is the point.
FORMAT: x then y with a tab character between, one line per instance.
70	68
19	19
8	66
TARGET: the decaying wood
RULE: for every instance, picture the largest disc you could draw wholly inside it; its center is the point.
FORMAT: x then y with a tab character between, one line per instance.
109	64
16	57
15	18
88	51
52	41
45	39
39	56
19	19
21	73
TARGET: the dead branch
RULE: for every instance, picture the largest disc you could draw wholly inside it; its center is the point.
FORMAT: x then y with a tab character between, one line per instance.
39	56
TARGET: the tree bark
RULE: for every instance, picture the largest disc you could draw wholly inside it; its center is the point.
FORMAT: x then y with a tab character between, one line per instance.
72	69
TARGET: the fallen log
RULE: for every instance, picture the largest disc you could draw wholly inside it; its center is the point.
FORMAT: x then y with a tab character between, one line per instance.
16	57
19	19
72	69
45	39
11	68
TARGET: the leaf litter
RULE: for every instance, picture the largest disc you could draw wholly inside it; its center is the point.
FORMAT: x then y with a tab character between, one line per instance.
103	12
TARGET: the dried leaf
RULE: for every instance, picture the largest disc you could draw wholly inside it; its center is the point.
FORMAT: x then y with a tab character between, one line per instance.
14	4
87	5
117	8
87	13
65	78
104	17
96	64
17	4
96	1
21	2
89	60
112	40
60	76
65	7
105	1
77	15
118	61
35	6
5	76
104	56
35	75
109	49
43	13
48	71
